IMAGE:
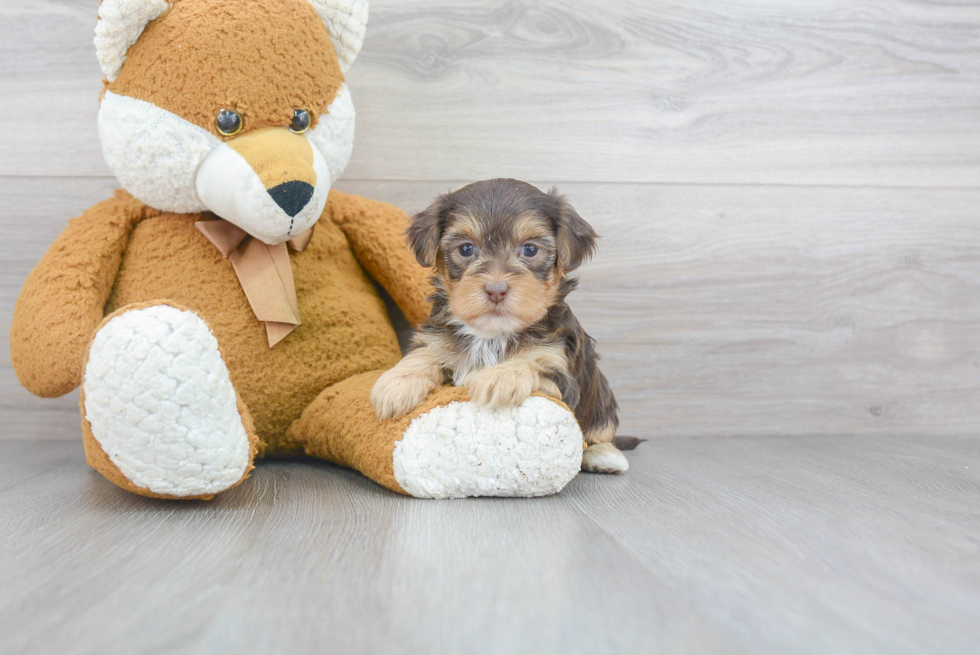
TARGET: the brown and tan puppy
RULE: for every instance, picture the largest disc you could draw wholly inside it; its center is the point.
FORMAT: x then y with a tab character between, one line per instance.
501	251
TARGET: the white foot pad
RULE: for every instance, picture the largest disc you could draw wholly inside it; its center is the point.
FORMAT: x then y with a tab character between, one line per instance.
161	404
462	449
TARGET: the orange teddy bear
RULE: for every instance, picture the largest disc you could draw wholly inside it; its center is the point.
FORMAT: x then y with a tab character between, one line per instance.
222	308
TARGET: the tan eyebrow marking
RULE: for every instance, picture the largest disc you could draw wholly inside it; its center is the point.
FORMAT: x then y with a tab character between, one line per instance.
463	225
531	226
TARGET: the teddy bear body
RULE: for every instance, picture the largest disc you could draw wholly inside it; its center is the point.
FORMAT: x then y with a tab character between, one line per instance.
345	330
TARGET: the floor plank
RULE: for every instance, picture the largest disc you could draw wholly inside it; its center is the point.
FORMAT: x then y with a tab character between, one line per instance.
755	545
718	310
876	524
818	92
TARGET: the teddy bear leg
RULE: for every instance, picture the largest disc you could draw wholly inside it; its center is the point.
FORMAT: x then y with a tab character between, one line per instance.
160	416
448	447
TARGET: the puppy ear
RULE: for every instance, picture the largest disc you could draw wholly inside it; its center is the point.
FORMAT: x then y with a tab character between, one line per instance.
425	230
575	238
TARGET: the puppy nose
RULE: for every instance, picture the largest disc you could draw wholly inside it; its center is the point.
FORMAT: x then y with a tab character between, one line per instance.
496	291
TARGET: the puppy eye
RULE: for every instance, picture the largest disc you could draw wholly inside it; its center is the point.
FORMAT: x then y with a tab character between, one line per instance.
466	250
300	122
529	250
228	122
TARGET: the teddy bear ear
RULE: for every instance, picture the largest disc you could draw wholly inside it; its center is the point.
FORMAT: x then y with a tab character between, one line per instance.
122	21
346	22
120	24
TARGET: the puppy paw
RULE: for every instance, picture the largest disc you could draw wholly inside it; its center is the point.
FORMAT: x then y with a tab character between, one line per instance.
604	458
501	386
396	394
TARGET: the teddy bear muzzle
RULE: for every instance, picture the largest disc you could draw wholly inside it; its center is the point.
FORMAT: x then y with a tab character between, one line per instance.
270	182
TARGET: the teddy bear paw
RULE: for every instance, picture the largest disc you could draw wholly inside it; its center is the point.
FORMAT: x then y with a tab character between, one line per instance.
159	401
466	449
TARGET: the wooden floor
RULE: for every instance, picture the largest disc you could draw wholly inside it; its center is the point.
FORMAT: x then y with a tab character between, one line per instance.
739	545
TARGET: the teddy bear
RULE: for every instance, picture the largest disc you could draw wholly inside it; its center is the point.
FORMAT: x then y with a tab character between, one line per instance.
221	307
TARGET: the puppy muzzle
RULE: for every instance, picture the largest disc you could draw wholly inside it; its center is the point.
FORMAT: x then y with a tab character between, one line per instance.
270	182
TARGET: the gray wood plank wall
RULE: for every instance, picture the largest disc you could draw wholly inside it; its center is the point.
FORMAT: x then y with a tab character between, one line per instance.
789	192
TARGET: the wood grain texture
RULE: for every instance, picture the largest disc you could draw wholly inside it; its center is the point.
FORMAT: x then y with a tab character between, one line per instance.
878	92
742	545
719	311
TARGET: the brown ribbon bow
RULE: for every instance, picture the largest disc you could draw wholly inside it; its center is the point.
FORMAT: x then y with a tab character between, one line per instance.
264	273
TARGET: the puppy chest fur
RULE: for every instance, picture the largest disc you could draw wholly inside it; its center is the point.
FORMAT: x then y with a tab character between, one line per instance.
478	352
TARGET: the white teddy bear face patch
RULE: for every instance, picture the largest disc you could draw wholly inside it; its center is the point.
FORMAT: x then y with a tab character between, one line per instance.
172	165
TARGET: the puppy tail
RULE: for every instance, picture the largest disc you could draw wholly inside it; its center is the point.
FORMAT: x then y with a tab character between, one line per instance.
627	443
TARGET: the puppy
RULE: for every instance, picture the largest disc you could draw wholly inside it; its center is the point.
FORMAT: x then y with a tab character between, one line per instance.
501	251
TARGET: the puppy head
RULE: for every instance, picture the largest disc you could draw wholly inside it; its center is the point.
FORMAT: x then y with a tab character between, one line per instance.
501	248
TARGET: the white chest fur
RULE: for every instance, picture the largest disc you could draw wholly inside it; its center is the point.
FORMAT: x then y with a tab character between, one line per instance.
483	352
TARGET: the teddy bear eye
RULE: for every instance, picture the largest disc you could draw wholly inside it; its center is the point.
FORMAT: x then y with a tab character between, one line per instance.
228	122
300	122
466	250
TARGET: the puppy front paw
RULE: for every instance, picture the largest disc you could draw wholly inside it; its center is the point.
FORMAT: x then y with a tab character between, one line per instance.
501	386
396	394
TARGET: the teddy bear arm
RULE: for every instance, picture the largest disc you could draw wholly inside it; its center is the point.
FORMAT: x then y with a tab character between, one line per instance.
376	232
446	447
63	299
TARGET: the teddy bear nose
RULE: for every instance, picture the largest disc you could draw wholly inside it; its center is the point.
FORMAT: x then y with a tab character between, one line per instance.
292	196
496	291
